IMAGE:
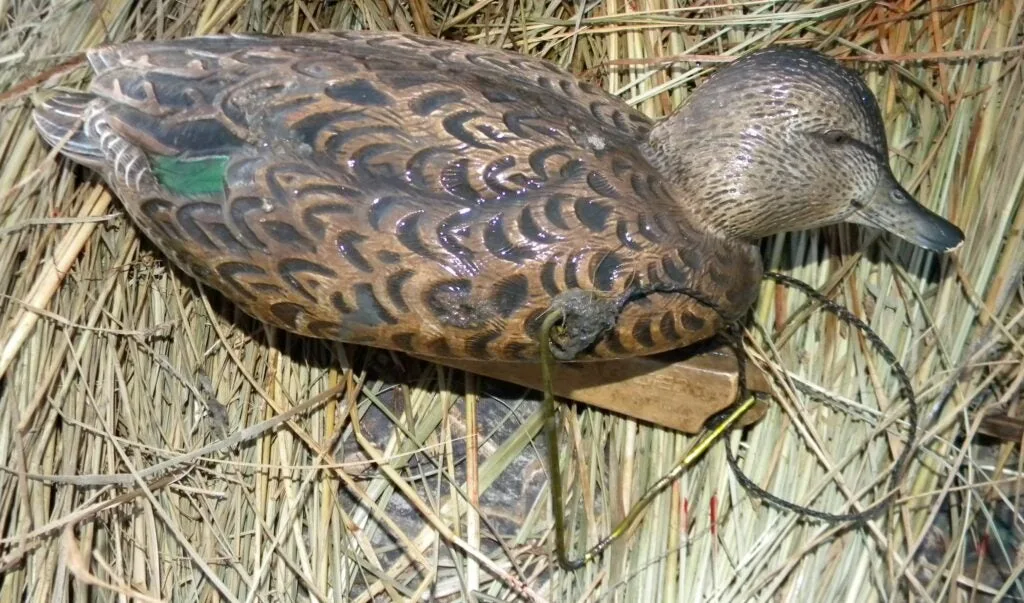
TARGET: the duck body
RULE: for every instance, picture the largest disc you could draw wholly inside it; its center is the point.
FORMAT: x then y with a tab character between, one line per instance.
401	192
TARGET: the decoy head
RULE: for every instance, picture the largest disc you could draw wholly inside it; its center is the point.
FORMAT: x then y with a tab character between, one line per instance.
787	139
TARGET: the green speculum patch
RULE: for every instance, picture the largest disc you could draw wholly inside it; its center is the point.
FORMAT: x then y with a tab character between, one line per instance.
190	177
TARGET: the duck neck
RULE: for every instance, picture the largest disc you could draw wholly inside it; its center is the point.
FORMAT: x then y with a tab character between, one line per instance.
708	195
727	183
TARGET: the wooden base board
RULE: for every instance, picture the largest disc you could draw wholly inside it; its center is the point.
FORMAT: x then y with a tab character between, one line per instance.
679	390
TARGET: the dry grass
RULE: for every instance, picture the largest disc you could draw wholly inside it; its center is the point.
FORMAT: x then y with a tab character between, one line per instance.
113	363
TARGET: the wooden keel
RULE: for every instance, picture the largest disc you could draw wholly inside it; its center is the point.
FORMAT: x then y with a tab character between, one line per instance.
679	390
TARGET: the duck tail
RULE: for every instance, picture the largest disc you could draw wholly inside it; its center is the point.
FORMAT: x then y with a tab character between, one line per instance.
61	122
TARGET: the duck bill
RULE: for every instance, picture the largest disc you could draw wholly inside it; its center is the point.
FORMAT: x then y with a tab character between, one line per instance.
896	211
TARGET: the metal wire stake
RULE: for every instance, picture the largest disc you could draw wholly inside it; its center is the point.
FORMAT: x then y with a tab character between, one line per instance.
551	426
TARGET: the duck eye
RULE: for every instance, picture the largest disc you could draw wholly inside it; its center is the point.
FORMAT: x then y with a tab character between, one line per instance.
836	137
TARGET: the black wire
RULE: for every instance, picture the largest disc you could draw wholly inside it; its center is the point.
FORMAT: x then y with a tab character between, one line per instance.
906	388
735	342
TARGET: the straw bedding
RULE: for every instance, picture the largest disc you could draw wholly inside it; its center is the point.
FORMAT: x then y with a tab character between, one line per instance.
113	362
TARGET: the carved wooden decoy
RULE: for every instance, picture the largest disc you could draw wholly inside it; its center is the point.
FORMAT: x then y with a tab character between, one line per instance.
439	198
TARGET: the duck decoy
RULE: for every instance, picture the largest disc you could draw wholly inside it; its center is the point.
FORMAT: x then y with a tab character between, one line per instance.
438	198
